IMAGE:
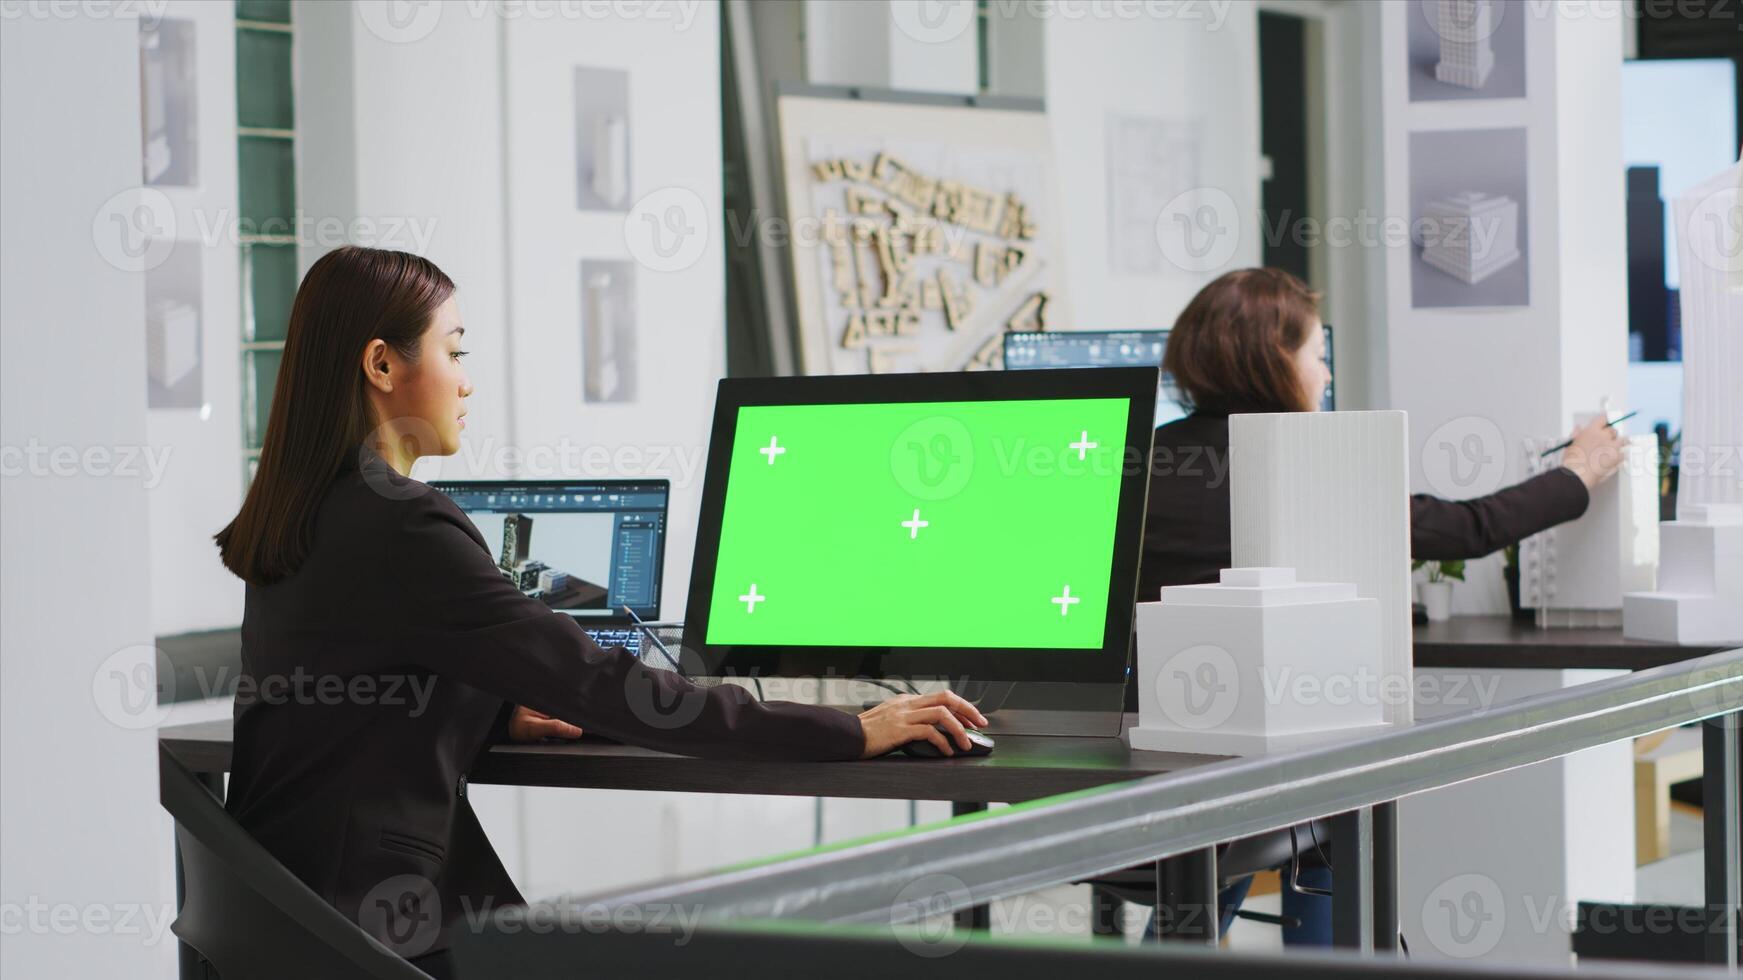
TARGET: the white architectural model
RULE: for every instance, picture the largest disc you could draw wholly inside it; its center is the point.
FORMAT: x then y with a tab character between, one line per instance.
1464	26
1328	494
1254	663
1699	598
172	341
1576	574
1471	235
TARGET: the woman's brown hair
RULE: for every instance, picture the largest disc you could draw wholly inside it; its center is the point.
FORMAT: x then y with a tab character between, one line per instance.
1235	343
320	410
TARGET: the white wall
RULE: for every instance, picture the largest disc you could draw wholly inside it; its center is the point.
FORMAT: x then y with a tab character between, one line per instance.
1174	68
912	45
78	851
201	488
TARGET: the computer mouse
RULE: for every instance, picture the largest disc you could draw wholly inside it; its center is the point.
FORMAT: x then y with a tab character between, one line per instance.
979	744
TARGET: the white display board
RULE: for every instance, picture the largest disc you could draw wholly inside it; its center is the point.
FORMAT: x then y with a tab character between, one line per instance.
919	233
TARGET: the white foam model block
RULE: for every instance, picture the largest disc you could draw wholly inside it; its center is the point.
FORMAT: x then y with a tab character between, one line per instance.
1610	550
1328	494
1710	250
1700	588
1241	669
1699	598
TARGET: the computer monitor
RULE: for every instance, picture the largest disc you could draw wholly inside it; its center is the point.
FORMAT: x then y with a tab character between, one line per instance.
1038	350
583	547
983	525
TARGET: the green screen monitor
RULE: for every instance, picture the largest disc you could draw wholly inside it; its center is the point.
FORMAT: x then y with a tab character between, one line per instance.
974	524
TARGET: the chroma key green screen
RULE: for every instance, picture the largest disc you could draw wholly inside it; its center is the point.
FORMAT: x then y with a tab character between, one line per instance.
934	524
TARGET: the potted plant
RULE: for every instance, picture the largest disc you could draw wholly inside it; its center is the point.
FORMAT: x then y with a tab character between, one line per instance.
1437	591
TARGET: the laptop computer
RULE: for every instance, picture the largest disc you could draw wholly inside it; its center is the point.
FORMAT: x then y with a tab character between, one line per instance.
586	548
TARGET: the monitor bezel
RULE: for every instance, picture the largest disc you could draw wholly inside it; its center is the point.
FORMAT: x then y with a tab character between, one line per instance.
1016	338
1106	665
613	617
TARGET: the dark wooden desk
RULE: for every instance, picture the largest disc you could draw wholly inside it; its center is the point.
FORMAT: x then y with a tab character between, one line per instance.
1024	767
1495	642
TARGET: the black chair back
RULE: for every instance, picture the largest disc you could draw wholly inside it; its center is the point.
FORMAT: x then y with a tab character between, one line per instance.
246	914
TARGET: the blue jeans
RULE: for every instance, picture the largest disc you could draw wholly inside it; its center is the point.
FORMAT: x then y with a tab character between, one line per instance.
1312	911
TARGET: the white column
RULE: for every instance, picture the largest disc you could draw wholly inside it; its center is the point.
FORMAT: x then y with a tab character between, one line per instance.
1477	382
78	753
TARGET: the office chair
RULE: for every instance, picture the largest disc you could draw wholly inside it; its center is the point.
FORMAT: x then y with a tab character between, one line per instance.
249	917
1234	861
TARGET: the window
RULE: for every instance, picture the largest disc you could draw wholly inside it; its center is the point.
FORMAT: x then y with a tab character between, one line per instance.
266	177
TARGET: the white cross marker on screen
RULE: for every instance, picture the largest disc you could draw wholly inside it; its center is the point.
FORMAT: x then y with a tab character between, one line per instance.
1083	446
751	599
772	450
1064	602
915	525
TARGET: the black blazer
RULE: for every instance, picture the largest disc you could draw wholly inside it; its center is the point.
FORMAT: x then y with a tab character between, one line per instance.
377	673
1187	536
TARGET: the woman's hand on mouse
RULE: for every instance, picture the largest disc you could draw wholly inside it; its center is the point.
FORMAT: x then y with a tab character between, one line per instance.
1596	452
916	717
528	725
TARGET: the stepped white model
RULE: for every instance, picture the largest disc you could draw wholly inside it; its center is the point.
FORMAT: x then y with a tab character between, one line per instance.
1255	663
1699	598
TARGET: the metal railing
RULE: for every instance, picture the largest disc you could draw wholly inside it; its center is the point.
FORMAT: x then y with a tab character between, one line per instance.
974	860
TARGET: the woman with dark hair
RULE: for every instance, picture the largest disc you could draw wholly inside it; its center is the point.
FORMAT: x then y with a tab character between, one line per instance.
382	650
1252	341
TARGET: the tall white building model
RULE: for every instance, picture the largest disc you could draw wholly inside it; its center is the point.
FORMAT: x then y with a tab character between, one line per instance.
1464	27
1471	235
1699	598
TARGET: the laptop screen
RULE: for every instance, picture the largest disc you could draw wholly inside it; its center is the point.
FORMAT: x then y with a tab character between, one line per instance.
585	548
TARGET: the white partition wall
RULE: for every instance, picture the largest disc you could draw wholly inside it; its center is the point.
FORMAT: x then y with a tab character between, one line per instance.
84	872
1325	494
